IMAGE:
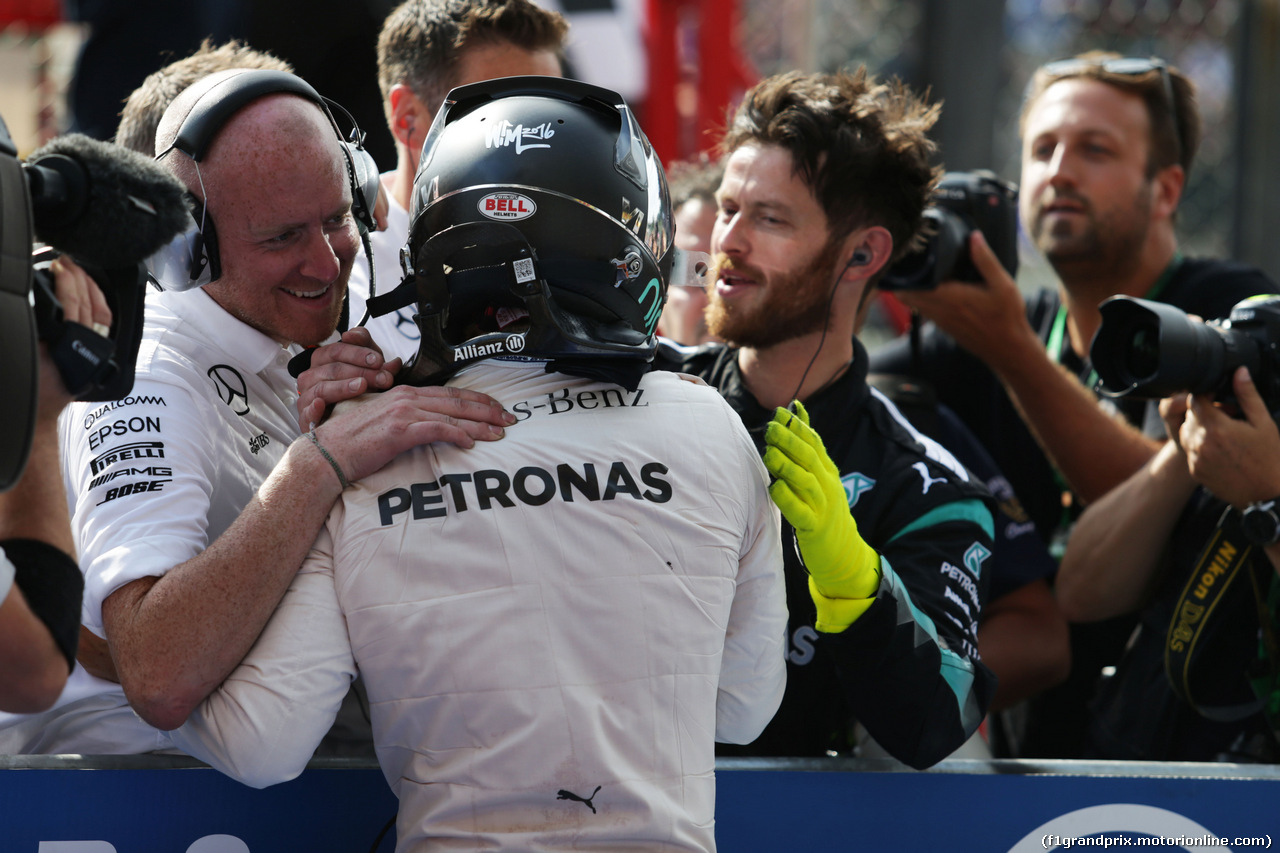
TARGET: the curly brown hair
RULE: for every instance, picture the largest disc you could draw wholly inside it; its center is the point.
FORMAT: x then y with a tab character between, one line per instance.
860	144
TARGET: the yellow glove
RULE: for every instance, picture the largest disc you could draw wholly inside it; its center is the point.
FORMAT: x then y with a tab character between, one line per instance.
844	571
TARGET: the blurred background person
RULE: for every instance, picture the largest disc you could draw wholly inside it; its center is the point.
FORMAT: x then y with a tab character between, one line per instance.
693	198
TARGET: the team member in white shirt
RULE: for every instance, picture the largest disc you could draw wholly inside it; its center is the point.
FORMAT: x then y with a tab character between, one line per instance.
194	500
556	628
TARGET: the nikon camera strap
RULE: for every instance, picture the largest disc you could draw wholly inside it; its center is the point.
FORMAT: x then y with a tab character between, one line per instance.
1224	558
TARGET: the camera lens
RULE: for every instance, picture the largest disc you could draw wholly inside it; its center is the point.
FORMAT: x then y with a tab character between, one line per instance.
1142	355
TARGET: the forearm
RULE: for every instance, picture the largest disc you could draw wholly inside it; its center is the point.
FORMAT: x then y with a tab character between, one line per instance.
1024	640
1113	556
753	668
175	638
32	667
263	723
36	506
1094	450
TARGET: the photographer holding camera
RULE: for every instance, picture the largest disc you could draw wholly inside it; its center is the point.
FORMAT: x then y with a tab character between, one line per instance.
40	584
1191	543
1107	144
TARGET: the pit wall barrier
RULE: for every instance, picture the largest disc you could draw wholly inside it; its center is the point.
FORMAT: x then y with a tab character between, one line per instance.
174	804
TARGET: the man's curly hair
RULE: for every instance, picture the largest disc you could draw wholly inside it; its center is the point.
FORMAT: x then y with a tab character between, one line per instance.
861	145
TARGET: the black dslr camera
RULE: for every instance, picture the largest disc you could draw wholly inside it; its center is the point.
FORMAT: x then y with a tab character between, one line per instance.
1150	350
962	203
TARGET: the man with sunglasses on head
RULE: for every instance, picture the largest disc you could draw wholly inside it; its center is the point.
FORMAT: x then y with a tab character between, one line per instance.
1107	144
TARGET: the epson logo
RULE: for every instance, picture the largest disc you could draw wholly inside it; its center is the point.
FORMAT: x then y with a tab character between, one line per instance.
507	207
468	352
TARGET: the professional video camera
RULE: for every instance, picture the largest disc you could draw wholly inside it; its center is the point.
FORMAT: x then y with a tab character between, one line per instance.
106	207
962	203
1150	350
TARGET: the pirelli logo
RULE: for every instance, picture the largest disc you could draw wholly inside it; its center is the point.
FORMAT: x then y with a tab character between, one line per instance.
136	450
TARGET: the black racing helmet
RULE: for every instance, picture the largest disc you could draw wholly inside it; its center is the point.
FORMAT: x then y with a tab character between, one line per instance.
540	226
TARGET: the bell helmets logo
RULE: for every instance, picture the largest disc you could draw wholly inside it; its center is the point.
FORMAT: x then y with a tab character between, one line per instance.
507	207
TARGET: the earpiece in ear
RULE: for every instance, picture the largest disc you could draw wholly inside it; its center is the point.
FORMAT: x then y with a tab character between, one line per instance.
861	257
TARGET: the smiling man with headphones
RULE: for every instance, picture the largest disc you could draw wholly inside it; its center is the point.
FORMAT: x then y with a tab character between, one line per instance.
195	499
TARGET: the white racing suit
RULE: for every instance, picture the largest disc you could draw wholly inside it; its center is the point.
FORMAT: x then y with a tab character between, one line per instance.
553	628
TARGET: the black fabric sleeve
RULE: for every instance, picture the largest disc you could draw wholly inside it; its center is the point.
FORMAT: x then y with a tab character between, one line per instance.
52	584
909	665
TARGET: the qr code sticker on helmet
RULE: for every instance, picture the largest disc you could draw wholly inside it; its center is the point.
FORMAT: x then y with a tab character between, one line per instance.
524	270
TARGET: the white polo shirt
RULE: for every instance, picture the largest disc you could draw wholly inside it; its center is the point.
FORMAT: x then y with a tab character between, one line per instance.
153	479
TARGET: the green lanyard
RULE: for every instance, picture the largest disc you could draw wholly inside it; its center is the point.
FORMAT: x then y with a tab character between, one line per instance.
1057	336
1059	330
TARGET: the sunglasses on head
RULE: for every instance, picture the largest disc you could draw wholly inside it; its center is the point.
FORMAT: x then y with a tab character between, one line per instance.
1125	66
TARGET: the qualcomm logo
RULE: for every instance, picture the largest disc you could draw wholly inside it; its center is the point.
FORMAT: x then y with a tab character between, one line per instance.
855	485
503	133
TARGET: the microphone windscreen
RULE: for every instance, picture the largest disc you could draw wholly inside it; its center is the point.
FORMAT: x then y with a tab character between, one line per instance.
132	206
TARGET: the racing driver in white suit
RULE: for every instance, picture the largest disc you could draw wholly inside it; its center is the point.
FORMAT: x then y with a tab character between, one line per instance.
556	627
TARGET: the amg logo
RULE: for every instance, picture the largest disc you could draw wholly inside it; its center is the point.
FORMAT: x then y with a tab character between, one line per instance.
153	471
531	486
470	351
137	450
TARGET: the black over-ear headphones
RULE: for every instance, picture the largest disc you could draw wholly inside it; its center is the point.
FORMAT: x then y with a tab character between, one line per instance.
191	259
